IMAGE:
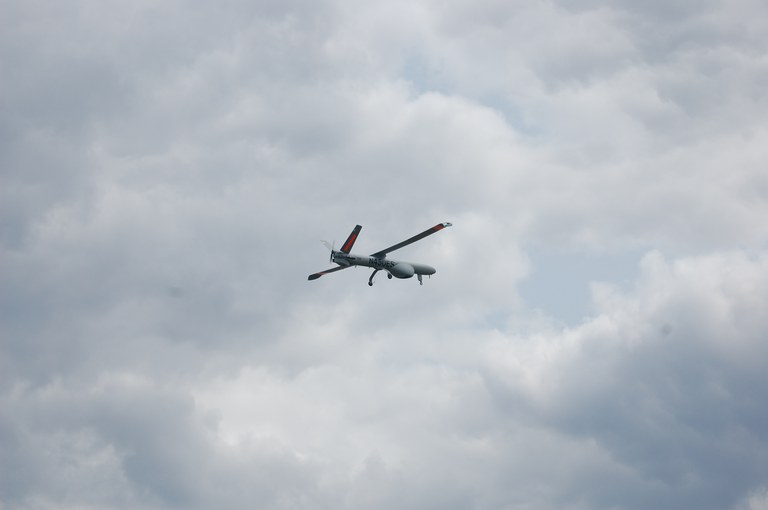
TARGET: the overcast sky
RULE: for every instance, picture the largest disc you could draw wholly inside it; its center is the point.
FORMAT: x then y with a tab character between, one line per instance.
596	335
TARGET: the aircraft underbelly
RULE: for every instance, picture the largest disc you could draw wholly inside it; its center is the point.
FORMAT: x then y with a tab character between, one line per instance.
423	269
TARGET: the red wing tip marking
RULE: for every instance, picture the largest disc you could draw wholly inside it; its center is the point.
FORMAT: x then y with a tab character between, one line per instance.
315	276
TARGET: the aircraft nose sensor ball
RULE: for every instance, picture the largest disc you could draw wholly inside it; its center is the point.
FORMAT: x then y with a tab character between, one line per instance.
378	261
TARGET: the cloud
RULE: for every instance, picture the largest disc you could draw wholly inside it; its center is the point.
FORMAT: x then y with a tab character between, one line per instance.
653	379
167	171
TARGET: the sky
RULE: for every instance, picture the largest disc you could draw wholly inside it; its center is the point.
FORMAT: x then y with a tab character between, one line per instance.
596	334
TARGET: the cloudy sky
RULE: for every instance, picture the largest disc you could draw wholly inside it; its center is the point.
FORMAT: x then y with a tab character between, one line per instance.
596	335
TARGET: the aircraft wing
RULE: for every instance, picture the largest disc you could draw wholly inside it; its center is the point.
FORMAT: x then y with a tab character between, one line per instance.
321	273
417	237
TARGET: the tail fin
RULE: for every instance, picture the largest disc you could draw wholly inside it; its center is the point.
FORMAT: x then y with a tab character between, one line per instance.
347	246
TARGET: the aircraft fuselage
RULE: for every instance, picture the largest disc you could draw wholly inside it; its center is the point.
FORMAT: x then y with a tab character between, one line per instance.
397	268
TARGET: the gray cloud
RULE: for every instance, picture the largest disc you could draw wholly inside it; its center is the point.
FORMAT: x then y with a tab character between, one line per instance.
167	171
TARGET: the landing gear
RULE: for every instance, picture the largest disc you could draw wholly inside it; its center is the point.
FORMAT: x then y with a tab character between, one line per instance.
389	275
370	280
421	282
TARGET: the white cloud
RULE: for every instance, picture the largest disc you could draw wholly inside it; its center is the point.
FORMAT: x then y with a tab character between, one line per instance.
168	169
758	500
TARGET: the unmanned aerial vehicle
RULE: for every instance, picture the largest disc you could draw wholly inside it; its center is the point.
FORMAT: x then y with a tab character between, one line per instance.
378	260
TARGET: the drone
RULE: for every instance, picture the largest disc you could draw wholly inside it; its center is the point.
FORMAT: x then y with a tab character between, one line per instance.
378	261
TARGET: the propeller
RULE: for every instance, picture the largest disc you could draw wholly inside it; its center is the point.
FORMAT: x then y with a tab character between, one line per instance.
331	247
